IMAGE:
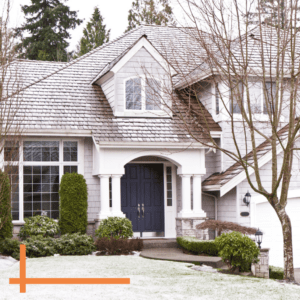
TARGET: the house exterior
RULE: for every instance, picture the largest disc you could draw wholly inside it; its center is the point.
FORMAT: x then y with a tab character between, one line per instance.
96	116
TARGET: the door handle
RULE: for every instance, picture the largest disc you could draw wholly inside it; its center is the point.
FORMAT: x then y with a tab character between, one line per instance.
138	211
143	210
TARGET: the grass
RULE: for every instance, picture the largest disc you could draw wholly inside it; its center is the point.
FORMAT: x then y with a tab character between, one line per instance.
150	279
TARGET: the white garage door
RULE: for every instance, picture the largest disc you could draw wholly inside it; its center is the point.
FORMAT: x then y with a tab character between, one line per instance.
268	223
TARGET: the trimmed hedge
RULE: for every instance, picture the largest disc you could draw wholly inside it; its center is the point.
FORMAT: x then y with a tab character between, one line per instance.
198	246
276	272
39	225
113	246
6	226
73	204
38	246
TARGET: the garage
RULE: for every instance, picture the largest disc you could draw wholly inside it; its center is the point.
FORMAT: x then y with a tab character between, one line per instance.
268	222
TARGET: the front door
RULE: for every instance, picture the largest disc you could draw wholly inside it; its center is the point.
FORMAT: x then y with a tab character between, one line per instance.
142	197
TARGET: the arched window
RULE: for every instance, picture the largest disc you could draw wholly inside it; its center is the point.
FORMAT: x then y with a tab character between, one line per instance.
142	94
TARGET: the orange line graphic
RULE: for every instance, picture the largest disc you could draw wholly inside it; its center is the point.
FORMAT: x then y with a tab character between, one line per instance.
22	281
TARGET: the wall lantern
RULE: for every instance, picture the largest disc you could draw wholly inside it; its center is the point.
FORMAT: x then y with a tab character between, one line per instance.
247	198
258	237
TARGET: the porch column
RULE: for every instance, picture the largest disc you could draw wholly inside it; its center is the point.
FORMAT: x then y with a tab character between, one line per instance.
104	197
186	210
197	197
116	196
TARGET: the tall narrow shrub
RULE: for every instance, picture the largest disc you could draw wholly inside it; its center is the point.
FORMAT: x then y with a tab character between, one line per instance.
6	226
73	203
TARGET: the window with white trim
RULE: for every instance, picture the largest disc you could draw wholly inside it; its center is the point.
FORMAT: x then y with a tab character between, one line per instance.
142	94
43	164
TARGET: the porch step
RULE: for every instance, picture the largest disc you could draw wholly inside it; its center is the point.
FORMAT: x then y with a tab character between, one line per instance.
160	243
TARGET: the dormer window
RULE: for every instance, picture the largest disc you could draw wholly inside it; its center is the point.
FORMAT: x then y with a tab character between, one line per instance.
142	94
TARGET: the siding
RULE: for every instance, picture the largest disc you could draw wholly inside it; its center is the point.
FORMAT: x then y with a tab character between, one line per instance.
108	88
93	182
227	207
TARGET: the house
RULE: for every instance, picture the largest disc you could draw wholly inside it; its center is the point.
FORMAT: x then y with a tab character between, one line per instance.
96	116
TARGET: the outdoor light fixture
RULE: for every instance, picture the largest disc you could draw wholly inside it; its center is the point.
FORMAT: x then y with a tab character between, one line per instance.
258	237
247	198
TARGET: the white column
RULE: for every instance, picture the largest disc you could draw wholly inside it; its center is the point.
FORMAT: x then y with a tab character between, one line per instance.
197	197
104	197
186	210
116	196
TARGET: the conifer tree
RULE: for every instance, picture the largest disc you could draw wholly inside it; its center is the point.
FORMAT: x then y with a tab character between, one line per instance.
158	12
47	22
94	35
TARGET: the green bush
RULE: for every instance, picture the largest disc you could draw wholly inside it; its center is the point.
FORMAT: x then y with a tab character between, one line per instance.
6	226
237	250
198	246
115	227
73	204
75	244
39	226
276	272
10	247
39	246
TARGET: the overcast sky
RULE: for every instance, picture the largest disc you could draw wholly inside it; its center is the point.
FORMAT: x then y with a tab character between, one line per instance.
114	12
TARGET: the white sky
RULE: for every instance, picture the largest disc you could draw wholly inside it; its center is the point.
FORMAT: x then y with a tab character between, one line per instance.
114	12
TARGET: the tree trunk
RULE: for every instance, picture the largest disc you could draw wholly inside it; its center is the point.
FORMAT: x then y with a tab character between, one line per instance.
287	245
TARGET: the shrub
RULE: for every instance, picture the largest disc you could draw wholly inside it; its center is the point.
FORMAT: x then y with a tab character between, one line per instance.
118	246
116	227
276	272
6	226
237	250
10	247
75	244
73	204
39	246
198	246
39	226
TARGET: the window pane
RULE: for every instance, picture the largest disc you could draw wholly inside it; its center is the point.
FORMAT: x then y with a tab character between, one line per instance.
133	93
271	94
70	151
13	173
70	169
217	99
237	98
41	151
153	101
255	97
169	186
11	151
41	190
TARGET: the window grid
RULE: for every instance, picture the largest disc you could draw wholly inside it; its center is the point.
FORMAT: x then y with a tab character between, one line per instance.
70	151
133	92
110	192
41	151
169	186
236	94
217	95
70	169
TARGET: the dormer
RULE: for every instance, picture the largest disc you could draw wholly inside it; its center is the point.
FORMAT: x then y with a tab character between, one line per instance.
136	82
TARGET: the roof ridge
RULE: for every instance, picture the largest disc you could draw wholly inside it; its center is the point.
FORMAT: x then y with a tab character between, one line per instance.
73	62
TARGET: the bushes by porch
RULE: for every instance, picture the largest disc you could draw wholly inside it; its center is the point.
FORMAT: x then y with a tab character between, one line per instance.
198	246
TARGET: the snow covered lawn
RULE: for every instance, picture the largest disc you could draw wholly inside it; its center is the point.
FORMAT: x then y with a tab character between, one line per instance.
150	279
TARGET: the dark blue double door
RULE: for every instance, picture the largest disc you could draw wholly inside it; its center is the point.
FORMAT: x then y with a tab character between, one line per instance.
142	196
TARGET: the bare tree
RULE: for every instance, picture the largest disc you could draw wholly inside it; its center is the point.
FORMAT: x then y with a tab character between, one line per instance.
251	70
10	95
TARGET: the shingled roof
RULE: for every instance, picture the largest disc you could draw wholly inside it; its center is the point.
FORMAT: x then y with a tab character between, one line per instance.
60	96
218	180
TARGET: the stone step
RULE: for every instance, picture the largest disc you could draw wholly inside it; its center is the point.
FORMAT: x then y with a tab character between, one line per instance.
160	243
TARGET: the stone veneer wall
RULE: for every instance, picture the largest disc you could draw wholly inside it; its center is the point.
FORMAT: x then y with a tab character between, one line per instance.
261	269
187	227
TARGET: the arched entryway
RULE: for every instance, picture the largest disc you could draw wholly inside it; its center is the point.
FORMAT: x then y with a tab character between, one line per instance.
148	196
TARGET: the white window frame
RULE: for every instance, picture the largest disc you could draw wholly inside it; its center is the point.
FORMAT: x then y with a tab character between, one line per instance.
60	163
143	96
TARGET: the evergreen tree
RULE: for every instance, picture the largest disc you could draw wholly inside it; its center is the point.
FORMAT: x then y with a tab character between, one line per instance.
47	22
94	35
158	12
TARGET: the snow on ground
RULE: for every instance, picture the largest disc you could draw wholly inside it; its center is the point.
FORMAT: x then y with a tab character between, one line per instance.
150	279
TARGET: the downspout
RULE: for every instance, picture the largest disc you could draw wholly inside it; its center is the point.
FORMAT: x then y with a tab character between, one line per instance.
216	207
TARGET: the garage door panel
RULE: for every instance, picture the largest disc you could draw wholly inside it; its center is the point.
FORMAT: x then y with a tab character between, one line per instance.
268	222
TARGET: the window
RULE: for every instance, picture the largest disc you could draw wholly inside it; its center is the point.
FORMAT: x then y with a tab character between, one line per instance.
44	162
217	95
270	88
255	97
237	98
134	94
142	94
169	186
110	192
